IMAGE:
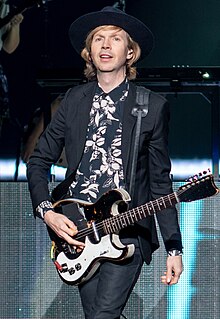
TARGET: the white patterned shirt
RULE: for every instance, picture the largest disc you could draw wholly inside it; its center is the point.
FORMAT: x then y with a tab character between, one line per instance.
101	166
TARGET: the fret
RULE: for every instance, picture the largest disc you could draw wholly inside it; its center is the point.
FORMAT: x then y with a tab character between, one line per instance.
168	196
151	208
112	225
140	212
118	222
164	204
152	205
136	214
122	220
173	200
107	226
127	218
161	203
177	199
148	209
143	211
105	229
131	215
158	204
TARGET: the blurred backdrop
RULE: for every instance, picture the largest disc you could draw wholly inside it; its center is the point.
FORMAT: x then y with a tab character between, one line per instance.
184	67
187	37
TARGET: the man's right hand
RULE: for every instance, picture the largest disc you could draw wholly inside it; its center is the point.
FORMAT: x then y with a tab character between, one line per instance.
63	227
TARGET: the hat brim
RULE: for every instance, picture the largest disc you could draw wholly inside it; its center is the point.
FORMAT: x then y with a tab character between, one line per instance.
138	31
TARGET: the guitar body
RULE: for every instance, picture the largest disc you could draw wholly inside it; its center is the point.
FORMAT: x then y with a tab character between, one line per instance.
83	266
76	267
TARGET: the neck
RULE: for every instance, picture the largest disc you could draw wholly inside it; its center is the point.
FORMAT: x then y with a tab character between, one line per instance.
109	81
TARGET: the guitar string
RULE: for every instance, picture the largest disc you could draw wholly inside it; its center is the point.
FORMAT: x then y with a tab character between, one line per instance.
142	209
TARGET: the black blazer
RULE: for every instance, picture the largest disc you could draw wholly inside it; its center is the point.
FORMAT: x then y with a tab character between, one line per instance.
68	128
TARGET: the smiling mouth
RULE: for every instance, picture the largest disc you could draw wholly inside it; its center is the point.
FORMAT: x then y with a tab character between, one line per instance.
105	56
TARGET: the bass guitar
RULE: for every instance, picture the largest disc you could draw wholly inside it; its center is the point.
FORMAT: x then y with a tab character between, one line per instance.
99	225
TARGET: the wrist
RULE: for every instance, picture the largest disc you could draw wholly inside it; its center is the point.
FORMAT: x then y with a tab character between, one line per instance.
174	252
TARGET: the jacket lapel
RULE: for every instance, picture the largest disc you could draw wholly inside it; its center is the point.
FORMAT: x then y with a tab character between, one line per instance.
85	105
128	126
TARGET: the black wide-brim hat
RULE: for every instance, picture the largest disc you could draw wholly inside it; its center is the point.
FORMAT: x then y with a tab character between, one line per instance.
138	31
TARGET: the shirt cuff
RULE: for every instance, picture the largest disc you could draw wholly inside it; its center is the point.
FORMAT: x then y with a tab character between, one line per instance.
43	207
174	244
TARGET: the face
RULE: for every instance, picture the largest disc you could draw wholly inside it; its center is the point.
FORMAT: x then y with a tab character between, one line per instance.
109	50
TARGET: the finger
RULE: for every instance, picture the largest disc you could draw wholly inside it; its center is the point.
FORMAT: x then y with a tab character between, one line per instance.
71	228
163	279
169	276
176	277
72	241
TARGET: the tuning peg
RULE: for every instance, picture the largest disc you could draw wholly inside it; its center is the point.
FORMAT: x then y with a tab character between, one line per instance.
196	177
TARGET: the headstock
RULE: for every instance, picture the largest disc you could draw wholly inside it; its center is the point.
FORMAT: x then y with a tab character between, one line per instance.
199	186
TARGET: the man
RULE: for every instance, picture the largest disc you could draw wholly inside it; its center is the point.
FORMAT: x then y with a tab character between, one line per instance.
9	41
95	124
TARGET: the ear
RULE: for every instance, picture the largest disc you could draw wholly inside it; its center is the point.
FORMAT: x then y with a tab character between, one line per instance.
130	54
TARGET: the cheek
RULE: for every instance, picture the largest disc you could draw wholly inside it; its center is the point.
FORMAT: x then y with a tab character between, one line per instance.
93	53
92	58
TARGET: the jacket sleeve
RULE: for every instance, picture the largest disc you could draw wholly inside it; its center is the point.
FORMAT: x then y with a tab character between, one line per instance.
159	174
46	153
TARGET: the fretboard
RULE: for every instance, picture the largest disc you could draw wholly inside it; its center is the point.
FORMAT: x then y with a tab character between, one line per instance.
120	221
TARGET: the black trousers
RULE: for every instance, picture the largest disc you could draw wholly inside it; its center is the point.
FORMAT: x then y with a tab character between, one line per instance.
104	296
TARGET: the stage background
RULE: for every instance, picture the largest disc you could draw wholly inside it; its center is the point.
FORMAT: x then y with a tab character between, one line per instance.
31	288
186	35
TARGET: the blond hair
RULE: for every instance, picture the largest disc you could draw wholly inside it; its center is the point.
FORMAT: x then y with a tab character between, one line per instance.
90	70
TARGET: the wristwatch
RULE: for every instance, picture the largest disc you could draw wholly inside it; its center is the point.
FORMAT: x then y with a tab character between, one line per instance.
174	252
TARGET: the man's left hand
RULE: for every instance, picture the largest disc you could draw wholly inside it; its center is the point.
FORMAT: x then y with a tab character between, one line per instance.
174	270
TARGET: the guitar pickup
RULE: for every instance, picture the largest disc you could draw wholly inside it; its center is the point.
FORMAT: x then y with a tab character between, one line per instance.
96	234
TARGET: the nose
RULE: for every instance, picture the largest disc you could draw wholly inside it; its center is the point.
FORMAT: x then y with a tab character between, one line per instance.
106	43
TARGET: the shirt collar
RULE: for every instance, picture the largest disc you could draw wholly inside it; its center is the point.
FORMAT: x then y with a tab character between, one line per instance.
116	93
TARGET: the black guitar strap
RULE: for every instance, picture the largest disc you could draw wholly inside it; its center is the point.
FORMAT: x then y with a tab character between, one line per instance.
140	110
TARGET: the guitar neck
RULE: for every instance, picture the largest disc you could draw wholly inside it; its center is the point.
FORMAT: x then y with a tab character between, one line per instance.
120	221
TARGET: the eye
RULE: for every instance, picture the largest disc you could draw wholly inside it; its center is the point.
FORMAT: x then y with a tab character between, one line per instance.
97	39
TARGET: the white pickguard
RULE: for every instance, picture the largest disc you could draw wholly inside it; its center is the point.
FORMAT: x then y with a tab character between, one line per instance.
89	260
